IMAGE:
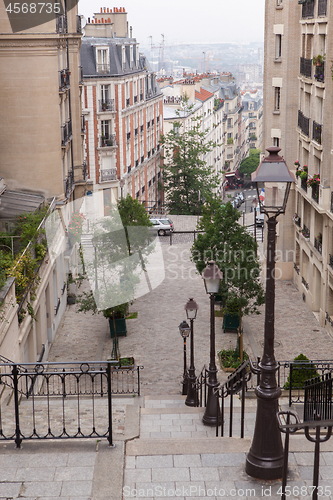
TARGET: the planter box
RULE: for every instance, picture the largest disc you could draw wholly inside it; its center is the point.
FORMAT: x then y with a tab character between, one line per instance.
120	327
230	323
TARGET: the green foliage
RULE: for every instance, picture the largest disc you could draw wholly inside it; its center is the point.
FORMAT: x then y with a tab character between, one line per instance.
230	358
26	225
250	164
303	175
123	233
24	270
301	372
185	173
230	140
234	250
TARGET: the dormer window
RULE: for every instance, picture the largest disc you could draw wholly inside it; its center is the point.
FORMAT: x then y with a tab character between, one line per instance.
123	57
131	57
103	60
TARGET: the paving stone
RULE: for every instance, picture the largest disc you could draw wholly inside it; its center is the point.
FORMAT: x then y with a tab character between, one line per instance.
171	474
154	461
76	488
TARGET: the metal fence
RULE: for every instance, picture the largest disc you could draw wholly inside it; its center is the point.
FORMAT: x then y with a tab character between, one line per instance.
318	398
61	400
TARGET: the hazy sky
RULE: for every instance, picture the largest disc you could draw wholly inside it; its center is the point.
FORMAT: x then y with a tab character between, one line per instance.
189	21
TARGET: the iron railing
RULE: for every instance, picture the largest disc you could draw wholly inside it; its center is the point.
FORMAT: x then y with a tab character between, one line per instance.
330	262
108	140
109	174
318	398
66	132
303	123
236	382
320	72
69	183
61	24
315	192
78	24
322	431
64	80
305	283
318	245
316	132
106	105
62	400
296	267
305	67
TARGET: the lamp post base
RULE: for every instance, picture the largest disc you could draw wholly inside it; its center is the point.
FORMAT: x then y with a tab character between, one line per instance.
192	394
212	416
265	458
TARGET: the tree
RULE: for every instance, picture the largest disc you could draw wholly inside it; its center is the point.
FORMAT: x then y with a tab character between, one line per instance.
250	164
234	251
185	172
121	245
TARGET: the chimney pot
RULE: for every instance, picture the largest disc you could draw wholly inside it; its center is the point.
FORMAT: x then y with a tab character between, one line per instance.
101	9
108	10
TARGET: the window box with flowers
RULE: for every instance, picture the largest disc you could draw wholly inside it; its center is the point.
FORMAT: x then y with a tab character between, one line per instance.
306	233
314	181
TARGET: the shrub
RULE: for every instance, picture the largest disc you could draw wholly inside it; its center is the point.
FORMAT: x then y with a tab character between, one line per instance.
301	372
230	358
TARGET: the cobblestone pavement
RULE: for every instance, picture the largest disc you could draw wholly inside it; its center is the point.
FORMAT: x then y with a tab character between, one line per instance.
154	340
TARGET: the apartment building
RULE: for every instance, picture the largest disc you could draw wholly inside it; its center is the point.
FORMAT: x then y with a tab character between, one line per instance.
41	143
41	128
252	103
123	109
298	115
216	101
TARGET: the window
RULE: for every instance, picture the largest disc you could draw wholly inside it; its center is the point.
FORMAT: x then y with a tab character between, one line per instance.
276	141
105	128
278	46
103	65
123	57
105	93
277	96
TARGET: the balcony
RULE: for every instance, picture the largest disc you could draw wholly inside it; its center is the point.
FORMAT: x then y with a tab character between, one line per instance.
296	268
318	245
303	123
320	72
148	124
136	131
315	193
103	68
322	8
305	67
109	174
135	99
66	132
64	79
141	129
128	136
304	184
142	159
83	124
61	24
84	171
330	262
136	163
308	9
148	154
106	105
128	103
129	169
78	24
297	220
69	184
108	140
306	232
316	132
141	97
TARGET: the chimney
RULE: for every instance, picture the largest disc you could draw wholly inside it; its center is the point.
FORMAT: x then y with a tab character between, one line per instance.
104	10
101	9
108	10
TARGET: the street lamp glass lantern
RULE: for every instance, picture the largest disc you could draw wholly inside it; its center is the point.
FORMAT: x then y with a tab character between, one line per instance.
212	277
184	329
273	180
191	309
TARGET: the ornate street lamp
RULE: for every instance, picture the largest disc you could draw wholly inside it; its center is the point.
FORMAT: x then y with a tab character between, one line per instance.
184	331
265	458
212	277
191	309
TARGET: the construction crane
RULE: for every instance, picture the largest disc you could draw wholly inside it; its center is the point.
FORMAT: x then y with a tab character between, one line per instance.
160	47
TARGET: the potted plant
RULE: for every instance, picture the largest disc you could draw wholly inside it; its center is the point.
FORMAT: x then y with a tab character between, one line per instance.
117	319
314	181
303	175
318	60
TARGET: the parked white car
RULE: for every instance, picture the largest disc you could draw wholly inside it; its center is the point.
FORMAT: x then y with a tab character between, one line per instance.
162	225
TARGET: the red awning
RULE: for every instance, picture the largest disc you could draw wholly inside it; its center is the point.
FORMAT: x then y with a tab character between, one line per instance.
233	174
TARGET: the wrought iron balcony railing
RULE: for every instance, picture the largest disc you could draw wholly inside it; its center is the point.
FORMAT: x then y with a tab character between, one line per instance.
305	67
330	260
66	132
106	105
318	245
320	72
69	183
303	123
103	68
316	132
78	24
64	78
109	140
305	283
61	24
315	192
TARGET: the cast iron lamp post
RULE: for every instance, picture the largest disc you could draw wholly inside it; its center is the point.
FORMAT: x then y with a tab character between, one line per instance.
184	331
265	458
191	309
212	277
